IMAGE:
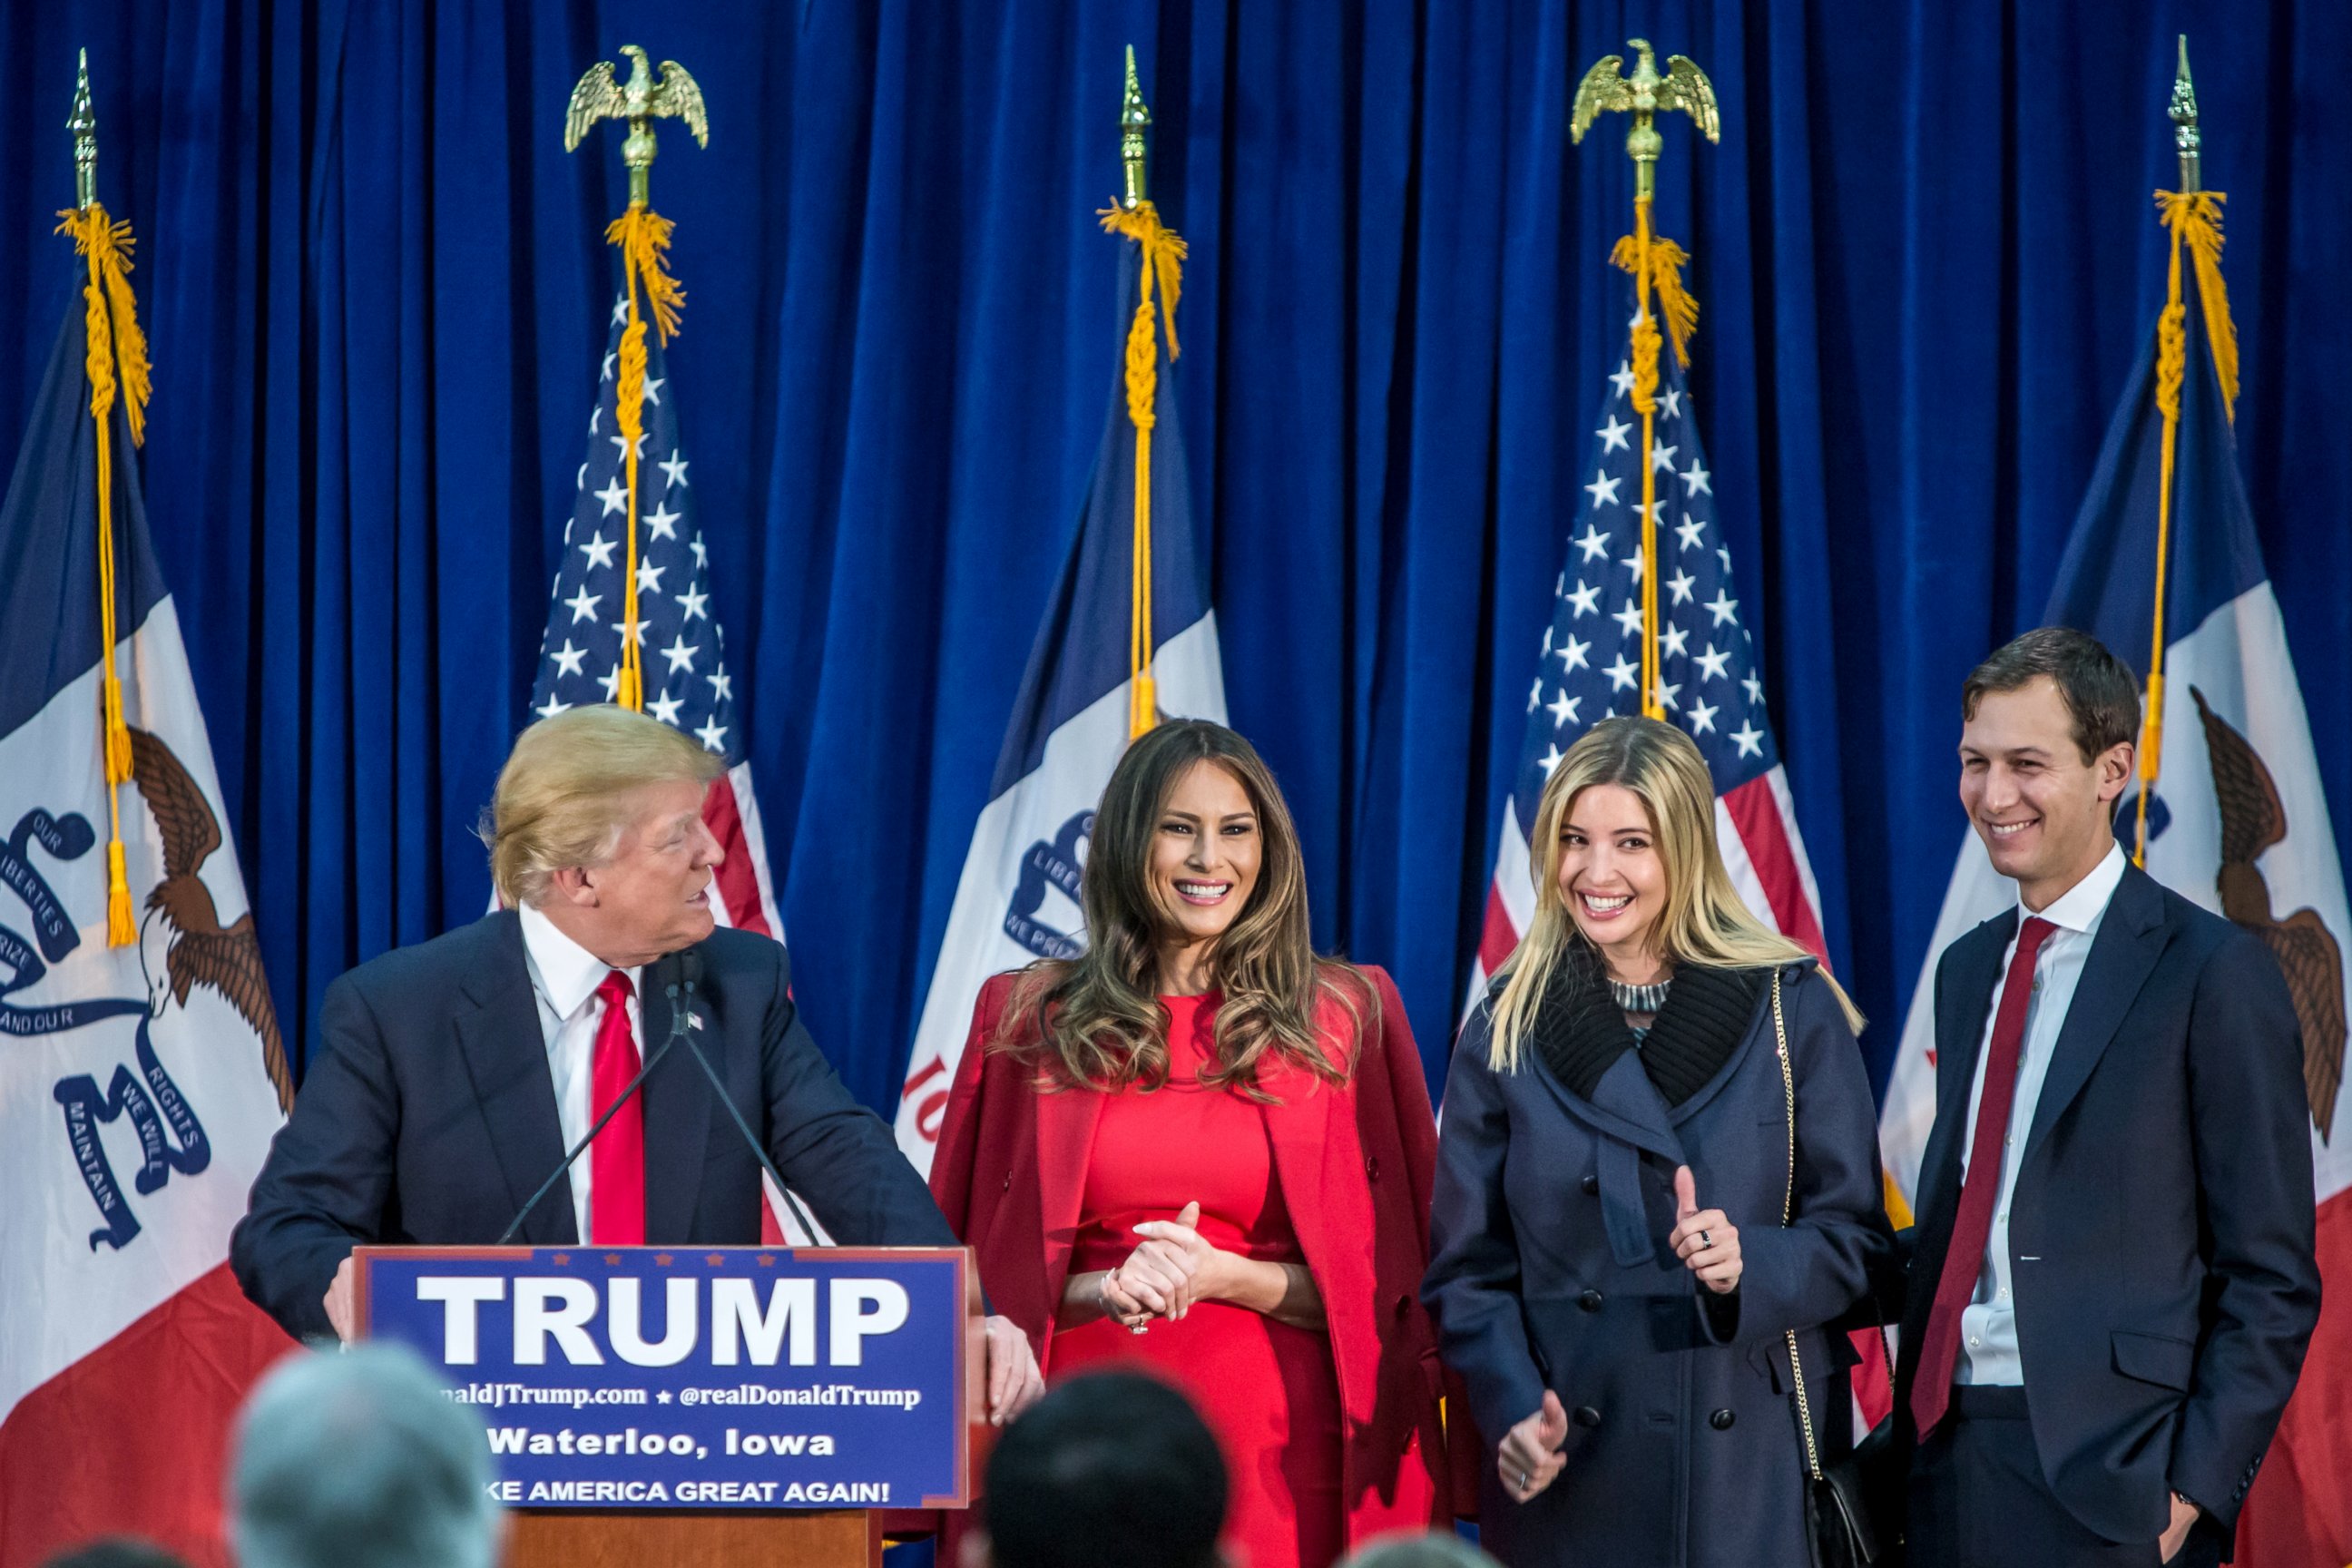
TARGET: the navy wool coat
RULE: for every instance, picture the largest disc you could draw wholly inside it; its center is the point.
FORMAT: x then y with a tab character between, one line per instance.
1550	1268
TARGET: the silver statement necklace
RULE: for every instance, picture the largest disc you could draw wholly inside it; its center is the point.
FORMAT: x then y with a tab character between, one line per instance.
1639	998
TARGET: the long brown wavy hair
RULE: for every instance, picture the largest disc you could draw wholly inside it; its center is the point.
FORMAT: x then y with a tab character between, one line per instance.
1096	1021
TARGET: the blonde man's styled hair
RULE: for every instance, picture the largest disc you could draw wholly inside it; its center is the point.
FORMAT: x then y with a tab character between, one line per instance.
563	796
1704	922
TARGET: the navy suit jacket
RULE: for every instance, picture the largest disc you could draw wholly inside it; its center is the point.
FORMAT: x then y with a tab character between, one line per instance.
428	1117
2160	1232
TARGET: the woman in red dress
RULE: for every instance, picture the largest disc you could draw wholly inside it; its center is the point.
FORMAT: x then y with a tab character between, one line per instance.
1199	1147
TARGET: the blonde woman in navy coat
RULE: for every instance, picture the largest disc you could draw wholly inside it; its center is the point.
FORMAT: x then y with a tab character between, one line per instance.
1610	1277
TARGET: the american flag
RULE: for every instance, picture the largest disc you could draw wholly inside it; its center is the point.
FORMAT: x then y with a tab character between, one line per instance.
1590	667
687	683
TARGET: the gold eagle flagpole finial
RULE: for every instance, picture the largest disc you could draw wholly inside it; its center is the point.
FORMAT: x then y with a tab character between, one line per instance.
643	235
1656	263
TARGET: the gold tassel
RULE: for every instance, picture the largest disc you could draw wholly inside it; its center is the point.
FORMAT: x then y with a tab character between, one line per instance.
115	362
2196	216
644	237
1163	253
1656	263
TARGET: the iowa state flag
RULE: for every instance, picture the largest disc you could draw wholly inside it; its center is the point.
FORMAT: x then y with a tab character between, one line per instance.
2238	822
1017	901
139	1084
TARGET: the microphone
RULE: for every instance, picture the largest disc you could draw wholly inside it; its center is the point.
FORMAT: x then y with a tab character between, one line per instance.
691	969
675	965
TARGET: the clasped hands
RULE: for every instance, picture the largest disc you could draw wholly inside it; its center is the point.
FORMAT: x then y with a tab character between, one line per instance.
1174	1267
1529	1457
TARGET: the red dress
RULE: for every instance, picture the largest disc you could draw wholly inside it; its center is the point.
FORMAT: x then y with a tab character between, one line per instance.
1268	1390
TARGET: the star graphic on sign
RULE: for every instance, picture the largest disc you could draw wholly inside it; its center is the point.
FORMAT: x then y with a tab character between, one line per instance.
675	466
1680	584
615	495
1662	459
653	389
664	521
1586	599
1630	617
1612	436
1690	530
665	708
663	1396
1622	674
1573	656
1724	608
1702	718
1623	380
622	442
1749	739
690	602
1550	759
1535	698
599	550
1563	708
568	659
1603	489
649	577
1675	640
680	653
583	605
712	735
611	681
554	705
1714	666
1594	543
1673	401
1754	685
723	690
1696	480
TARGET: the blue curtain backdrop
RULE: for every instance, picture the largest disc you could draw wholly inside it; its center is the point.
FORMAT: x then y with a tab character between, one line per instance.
377	289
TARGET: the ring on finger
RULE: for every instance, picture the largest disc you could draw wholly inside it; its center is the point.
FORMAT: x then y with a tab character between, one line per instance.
1526	1480
1704	1239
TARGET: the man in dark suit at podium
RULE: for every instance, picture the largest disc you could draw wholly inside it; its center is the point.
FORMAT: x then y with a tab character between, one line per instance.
451	1077
2113	1283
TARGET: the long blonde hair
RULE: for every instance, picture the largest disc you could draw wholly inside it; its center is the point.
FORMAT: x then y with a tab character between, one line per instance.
1094	1020
1704	922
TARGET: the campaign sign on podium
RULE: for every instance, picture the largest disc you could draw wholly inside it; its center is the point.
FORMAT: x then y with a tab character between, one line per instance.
711	1377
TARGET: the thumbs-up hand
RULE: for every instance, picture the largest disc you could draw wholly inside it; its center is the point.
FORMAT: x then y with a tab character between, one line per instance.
1528	1456
1171	1263
1704	1239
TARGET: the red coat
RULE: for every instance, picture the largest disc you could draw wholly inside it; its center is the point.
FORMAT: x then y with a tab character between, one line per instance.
1355	1161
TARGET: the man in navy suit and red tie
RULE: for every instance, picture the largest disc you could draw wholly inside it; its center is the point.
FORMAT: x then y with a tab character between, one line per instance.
2112	1283
451	1078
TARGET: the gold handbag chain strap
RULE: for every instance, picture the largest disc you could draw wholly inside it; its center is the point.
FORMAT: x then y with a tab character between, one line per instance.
1787	1208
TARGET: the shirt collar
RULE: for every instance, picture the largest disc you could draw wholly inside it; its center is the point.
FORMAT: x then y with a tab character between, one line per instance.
566	973
2079	908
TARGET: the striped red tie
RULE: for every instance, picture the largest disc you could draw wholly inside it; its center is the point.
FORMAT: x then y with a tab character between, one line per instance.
616	1164
1939	1346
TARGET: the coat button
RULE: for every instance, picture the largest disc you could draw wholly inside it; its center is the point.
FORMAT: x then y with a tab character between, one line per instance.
1591	1184
1008	1180
1587	1417
1589	1300
1372	1169
1721	1420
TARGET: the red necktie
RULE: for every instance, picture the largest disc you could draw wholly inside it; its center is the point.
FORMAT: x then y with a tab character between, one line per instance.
616	1162
1939	1346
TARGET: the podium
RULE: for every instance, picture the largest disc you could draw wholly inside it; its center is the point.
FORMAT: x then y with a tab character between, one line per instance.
701	1406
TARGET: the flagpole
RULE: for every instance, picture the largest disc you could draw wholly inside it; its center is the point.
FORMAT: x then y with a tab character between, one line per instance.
644	237
1656	264
1160	270
2193	217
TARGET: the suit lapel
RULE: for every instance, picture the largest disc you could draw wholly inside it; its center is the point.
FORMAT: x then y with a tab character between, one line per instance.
2123	955
504	1052
678	1108
1066	1141
1970	971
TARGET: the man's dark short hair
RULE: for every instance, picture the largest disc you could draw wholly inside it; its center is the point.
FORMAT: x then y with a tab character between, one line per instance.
1113	1469
2100	691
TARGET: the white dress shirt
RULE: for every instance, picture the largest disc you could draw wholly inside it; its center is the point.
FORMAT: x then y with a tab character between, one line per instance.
564	976
1989	1353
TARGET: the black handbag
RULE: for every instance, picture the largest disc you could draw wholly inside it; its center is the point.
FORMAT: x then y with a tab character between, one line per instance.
1849	1500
